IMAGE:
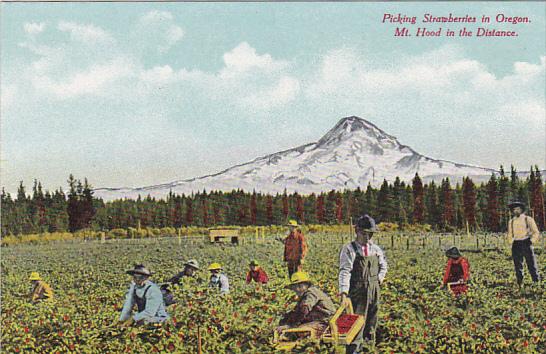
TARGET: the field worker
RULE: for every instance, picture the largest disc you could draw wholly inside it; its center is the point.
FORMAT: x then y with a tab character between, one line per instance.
522	234
314	308
295	248
146	296
256	273
362	268
218	279
40	289
190	270
457	271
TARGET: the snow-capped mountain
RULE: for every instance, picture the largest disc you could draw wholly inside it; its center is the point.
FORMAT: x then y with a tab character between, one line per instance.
353	153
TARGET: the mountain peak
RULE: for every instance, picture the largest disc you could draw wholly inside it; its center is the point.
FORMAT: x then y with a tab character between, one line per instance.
349	125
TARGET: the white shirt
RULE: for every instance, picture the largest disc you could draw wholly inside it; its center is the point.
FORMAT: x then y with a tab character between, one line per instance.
347	257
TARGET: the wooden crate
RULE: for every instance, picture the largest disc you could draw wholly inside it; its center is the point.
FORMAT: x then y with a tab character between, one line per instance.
343	328
224	235
283	341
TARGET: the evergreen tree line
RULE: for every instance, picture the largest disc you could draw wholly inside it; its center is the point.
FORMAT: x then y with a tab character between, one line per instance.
444	206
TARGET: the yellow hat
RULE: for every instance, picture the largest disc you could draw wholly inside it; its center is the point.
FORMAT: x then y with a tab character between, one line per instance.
34	276
215	266
299	277
292	223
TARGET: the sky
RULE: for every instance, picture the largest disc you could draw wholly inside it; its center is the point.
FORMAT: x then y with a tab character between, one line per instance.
136	94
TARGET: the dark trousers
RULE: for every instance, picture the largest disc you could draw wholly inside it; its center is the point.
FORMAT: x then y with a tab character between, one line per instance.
365	302
524	250
293	267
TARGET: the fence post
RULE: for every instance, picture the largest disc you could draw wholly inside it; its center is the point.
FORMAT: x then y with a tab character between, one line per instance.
477	242
439	241
407	243
392	241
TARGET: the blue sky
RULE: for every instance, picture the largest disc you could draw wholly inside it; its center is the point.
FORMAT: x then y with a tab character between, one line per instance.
138	94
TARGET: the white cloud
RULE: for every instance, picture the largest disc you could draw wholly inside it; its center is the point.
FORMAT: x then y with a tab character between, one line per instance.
88	81
155	16
33	28
244	58
159	29
158	74
8	93
86	33
285	91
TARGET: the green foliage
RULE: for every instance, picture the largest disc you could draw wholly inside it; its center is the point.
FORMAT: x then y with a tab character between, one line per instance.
89	284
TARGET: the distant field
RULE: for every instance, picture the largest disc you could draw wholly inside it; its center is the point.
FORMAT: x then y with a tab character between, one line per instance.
89	282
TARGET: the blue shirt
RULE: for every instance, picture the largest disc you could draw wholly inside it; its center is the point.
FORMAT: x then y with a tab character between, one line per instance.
155	308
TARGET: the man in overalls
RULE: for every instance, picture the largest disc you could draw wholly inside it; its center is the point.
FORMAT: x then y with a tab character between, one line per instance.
146	296
522	234
362	268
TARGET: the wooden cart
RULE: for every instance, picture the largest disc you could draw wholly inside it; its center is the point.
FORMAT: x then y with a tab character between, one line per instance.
342	329
225	235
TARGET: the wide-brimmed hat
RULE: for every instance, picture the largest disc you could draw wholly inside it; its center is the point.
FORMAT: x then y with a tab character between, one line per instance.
516	203
253	263
298	278
215	266
192	263
366	223
453	252
292	223
139	269
34	276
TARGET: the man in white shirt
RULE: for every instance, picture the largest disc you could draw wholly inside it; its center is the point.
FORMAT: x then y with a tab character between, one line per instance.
522	234
362	268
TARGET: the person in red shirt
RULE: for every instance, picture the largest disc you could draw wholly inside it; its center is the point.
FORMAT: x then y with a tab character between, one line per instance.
256	273
457	273
295	248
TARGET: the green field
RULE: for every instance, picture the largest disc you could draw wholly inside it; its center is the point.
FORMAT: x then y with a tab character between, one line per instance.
89	282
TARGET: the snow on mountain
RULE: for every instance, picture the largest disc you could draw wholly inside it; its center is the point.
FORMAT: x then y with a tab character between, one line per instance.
353	153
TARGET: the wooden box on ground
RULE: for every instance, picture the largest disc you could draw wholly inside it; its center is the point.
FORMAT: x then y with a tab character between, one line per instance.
343	328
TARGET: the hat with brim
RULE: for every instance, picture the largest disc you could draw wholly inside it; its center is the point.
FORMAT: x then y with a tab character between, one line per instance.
34	276
140	270
515	204
366	223
299	278
253	263
453	252
215	266
192	263
292	223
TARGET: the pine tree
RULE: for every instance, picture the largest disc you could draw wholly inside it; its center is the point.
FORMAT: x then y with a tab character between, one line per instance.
320	209
205	209
469	202
299	208
537	198
384	203
503	199
492	219
431	204
418	200
285	209
253	209
269	209
189	211
447	205
339	208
